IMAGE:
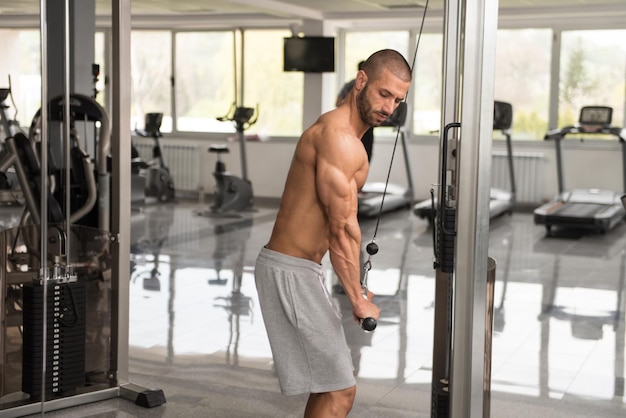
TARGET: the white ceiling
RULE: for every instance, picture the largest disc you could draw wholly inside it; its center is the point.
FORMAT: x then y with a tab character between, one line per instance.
336	14
314	9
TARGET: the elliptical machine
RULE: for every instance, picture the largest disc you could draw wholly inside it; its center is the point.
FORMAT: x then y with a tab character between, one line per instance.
232	193
159	182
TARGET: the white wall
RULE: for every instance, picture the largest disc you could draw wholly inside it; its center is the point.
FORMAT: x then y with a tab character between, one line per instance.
586	165
597	165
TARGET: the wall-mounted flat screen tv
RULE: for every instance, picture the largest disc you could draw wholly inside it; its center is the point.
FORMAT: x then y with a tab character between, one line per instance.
310	54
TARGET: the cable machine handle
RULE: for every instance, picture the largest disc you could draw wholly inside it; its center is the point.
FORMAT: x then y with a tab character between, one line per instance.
444	176
368	324
443	236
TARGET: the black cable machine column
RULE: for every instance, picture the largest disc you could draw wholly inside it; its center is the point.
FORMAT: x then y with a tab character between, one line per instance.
444	237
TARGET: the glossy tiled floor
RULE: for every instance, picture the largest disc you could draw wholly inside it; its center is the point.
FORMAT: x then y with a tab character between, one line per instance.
196	330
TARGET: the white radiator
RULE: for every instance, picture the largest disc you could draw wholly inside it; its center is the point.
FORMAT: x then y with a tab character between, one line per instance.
182	160
528	170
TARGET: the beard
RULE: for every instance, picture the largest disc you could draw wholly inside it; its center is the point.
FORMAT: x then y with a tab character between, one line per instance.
366	111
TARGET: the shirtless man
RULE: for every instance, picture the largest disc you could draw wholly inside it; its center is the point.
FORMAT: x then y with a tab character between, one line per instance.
318	214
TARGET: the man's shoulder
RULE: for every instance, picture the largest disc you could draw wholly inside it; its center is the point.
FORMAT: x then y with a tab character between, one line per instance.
331	139
329	125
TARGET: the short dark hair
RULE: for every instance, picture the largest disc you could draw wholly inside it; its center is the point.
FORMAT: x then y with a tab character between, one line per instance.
387	59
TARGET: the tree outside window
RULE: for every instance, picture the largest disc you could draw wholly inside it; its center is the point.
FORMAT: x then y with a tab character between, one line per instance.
593	68
523	79
278	94
151	60
204	80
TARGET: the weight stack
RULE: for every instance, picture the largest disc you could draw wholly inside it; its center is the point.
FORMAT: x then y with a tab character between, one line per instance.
440	407
446	240
65	344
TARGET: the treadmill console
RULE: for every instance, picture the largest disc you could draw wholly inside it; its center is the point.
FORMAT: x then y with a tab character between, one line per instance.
594	118
502	115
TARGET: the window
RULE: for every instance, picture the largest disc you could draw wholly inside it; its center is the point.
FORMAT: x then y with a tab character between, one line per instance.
593	69
360	45
99	59
21	61
523	79
205	86
427	84
151	60
278	94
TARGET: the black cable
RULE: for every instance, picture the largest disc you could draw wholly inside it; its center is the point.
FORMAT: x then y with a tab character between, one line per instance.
369	324
395	144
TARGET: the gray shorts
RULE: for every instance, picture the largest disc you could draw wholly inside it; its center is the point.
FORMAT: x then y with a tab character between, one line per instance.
303	325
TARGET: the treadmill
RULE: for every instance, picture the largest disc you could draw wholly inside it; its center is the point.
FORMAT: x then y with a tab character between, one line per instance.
594	209
501	201
373	195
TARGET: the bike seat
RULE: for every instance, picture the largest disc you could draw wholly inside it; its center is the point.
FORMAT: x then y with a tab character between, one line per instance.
219	149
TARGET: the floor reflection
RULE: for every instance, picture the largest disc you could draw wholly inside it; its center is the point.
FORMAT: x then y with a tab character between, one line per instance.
582	323
184	311
196	329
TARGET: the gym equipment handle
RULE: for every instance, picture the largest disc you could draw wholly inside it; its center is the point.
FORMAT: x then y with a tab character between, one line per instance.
368	324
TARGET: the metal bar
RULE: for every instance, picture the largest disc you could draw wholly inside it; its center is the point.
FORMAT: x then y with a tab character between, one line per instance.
66	119
490	293
43	204
61	403
241	98
4	237
558	150
443	281
479	26
120	140
407	166
623	145
509	149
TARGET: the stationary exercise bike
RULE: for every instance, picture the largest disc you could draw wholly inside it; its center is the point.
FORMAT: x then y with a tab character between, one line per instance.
159	182
233	194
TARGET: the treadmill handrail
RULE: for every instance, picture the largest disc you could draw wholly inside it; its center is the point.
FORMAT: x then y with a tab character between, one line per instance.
560	133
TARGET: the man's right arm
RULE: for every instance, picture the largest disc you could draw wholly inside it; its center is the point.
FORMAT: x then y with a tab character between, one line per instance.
337	165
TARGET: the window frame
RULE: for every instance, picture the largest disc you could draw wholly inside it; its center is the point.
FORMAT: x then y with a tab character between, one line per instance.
557	29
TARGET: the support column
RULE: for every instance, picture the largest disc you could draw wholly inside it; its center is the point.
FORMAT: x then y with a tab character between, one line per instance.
120	149
480	21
